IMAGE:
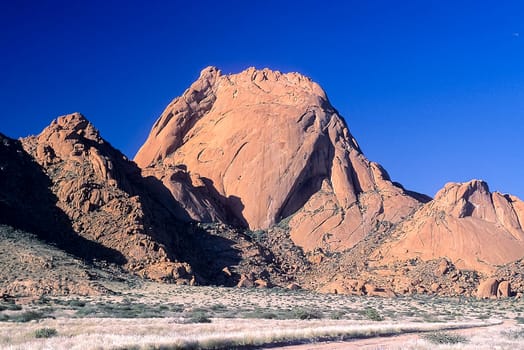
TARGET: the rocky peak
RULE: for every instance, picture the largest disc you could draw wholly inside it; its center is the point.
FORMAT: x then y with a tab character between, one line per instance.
171	130
71	137
71	129
474	199
266	145
475	228
104	196
470	199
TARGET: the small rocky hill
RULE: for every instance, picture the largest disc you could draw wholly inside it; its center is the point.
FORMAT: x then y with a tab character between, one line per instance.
31	267
476	229
103	199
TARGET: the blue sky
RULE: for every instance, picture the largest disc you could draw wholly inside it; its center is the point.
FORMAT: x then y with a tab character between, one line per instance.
432	90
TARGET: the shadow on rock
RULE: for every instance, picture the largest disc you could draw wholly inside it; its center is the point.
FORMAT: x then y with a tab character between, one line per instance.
27	203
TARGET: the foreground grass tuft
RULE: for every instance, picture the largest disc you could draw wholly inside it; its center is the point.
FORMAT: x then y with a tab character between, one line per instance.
25	316
444	338
373	314
45	333
303	314
514	334
199	317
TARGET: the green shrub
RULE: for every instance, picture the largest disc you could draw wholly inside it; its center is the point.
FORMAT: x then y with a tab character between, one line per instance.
302	314
337	315
373	314
26	316
444	338
45	333
10	306
199	317
514	334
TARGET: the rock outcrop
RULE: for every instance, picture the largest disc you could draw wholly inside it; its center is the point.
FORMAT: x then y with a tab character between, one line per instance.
488	288
474	228
106	199
26	201
265	146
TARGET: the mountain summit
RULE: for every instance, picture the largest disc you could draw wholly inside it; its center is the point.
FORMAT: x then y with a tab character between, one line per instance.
269	146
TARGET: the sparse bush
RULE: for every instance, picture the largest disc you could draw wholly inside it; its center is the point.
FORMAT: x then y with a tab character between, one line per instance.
520	320
373	314
26	316
45	333
514	334
43	300
257	235
127	310
444	338
284	223
337	315
218	307
199	317
10	306
260	313
302	314
77	303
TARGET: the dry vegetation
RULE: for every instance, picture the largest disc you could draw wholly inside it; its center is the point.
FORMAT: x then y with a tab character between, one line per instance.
159	316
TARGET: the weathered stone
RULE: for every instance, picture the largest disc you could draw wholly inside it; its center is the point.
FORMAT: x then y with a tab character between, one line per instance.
435	287
245	282
293	286
504	289
442	268
488	288
260	283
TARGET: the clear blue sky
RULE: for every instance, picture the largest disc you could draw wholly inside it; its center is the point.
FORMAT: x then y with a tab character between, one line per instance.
432	90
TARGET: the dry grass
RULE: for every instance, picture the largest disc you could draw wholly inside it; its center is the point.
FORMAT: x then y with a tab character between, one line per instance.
160	316
510	337
93	333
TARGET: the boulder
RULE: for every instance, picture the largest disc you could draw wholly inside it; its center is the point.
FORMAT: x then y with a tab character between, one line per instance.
504	289
245	282
442	268
488	288
293	286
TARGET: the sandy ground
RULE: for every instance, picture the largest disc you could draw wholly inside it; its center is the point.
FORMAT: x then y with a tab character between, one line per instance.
402	341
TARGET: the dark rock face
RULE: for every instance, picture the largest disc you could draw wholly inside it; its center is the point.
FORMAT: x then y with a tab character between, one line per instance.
105	199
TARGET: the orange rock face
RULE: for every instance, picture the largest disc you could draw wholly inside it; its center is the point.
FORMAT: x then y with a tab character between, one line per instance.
104	196
264	146
474	228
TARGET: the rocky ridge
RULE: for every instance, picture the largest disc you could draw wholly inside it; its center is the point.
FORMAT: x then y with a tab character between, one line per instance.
476	229
254	180
106	199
